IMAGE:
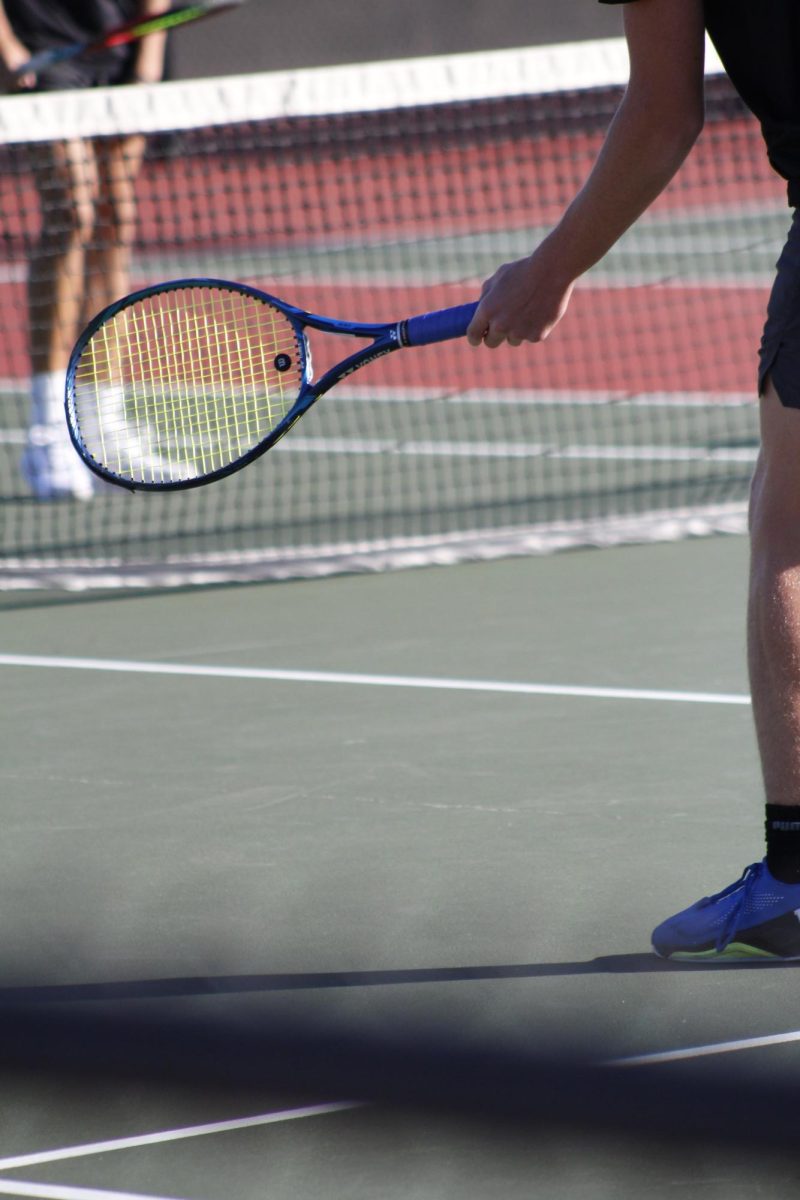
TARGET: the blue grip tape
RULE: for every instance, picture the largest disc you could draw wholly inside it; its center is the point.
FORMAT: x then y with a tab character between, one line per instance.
438	326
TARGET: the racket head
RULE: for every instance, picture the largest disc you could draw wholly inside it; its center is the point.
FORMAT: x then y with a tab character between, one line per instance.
184	383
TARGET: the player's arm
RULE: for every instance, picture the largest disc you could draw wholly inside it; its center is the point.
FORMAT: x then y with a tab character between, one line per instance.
149	61
653	130
12	55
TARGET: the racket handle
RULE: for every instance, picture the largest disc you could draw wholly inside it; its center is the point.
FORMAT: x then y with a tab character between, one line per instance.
437	326
40	61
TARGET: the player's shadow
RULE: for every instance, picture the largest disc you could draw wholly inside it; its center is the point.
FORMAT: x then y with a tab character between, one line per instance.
221	985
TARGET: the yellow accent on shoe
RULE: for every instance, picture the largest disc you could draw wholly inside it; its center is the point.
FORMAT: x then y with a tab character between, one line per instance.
734	950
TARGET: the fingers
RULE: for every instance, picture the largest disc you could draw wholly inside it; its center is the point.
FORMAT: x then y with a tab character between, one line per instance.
486	331
477	328
492	328
496	336
483	331
15	56
497	318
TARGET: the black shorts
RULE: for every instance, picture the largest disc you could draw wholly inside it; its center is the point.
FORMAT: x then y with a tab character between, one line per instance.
86	71
780	342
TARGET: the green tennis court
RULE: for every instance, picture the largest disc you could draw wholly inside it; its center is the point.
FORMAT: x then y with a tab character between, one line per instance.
461	795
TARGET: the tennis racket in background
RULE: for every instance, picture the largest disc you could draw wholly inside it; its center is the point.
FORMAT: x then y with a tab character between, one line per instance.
130	32
183	383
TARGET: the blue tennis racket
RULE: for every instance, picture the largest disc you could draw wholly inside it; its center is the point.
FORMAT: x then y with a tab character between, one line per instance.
183	383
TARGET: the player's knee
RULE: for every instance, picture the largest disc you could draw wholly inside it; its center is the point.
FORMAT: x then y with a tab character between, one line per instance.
115	219
73	227
774	514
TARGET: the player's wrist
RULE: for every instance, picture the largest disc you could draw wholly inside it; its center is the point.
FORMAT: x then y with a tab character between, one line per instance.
554	261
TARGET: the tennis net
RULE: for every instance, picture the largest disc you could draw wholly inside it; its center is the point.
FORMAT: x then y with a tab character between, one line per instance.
372	192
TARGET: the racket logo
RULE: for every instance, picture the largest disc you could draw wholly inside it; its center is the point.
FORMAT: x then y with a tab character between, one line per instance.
282	362
380	352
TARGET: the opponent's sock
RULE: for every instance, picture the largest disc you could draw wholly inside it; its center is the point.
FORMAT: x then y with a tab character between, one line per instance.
783	842
49	464
47	398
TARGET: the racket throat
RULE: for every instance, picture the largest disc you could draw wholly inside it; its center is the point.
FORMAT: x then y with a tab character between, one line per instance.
358	360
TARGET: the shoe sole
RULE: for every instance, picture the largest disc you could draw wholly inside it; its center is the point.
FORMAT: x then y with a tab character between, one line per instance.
734	952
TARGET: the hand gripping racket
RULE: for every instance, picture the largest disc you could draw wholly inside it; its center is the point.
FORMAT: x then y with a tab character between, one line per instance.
122	34
185	382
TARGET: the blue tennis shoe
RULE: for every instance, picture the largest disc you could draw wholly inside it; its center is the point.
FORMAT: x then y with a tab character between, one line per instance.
756	918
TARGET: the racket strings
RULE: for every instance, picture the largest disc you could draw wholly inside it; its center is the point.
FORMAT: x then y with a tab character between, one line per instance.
186	383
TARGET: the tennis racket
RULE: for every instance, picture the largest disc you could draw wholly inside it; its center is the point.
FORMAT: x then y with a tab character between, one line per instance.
130	32
186	382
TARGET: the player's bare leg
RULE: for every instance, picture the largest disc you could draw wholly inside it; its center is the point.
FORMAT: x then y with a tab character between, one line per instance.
66	178
774	603
109	250
757	916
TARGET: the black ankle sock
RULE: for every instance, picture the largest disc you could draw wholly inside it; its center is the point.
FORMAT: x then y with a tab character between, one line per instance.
783	842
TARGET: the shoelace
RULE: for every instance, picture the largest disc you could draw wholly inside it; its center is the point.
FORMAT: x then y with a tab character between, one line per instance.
744	887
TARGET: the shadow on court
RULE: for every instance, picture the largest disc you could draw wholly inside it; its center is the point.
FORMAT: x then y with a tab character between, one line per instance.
218	985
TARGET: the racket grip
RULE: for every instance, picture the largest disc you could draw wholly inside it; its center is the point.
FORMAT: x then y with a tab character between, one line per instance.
39	62
438	326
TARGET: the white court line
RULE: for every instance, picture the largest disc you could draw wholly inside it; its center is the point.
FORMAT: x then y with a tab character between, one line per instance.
301	444
535	397
127	666
642	1060
57	1191
171	1135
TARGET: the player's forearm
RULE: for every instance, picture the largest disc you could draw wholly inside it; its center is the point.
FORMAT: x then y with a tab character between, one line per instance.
8	38
149	65
5	25
13	55
643	149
